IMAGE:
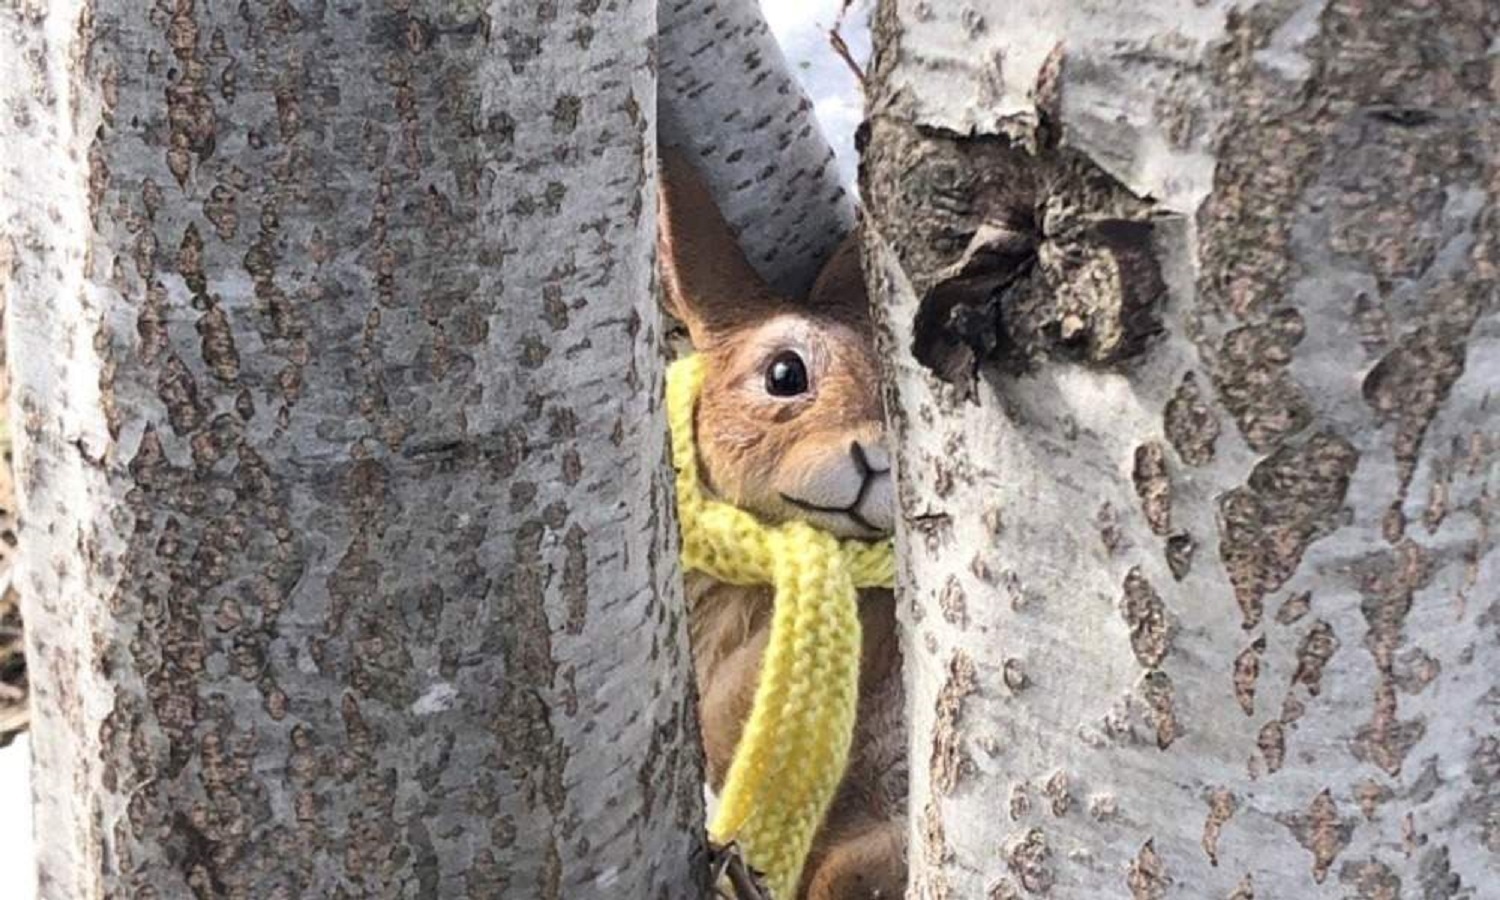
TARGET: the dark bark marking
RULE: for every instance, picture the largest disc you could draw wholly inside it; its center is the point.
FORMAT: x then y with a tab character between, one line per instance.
1272	743
659	762
575	579
554	308
948	762
1104	807
1148	879
1370	879
1056	789
1245	890
1253	382
1388	581
1153	485
178	391
1156	689
527	745
1370	794
1110	533
1190	424
1222	805
935	852
1294	608
567	111
953	604
1292	498
98	180
219	208
217	344
1004	889
190	110
1179	553
1014	675
1020	801
282	326
1436	876
1030	860
1246	671
1266	155
1482	803
1143	610
1320	831
1313	653
1411	382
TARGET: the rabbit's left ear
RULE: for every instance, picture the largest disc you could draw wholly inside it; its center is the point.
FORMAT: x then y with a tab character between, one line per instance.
839	292
706	280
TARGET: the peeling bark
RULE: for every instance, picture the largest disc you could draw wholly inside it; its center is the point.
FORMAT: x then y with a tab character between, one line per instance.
322	318
1200	300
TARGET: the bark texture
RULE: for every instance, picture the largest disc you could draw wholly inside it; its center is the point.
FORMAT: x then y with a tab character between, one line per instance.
13	705
729	100
1190	309
346	544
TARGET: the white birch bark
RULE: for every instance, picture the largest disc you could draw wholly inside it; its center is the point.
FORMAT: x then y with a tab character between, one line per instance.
346	523
729	100
1190	309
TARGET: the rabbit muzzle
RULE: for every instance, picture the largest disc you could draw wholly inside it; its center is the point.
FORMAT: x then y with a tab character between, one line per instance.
847	492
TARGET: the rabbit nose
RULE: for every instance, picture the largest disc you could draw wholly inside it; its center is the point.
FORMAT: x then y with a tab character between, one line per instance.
871	457
876	503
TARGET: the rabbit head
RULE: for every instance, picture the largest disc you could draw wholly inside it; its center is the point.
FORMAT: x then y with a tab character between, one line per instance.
789	424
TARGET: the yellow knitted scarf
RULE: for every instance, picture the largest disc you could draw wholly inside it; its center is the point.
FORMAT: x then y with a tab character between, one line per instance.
795	745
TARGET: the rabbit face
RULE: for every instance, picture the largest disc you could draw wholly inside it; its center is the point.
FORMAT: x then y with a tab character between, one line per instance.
790	426
789	422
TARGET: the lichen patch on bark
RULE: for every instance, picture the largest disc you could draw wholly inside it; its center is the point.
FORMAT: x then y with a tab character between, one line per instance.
1252	381
1246	672
1388	582
1222	805
1144	612
1291	498
1314	651
1153	484
1157	691
1029	857
1190	424
948	761
1322	831
1409	384
1148	878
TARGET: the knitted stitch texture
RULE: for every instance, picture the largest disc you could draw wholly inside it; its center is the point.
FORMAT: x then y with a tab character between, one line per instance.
795	744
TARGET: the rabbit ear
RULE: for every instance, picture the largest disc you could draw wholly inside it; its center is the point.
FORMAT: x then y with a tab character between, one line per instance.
839	292
706	280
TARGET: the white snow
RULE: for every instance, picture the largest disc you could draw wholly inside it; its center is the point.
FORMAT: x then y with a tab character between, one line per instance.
17	861
801	26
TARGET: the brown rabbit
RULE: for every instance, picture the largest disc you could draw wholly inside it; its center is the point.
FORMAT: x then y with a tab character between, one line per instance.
789	425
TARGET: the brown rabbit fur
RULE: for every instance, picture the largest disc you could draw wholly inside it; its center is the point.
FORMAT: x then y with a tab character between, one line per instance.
816	454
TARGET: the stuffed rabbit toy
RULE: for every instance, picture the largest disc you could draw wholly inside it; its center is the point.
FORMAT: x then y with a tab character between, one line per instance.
788	425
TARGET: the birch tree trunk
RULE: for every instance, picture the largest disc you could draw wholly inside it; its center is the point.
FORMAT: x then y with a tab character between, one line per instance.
1190	309
346	544
730	102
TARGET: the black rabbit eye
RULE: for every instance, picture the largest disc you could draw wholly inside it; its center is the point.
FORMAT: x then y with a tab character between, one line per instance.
786	376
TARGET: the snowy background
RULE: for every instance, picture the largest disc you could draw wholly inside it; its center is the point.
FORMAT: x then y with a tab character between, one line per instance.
802	27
